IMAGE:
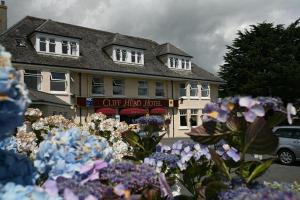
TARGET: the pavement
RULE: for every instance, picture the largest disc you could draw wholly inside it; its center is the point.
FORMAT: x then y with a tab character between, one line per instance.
277	172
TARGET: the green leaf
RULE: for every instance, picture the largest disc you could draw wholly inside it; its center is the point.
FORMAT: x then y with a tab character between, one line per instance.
220	163
275	118
259	170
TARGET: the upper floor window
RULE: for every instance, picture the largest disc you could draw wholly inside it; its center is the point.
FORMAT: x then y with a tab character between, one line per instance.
58	81
97	86
42	44
52	45
193	89
139	57
65	47
159	89
187	64
133	56
205	90
176	62
142	88
182	64
124	55
171	62
118	87
73	48
194	117
33	79
182	90
118	54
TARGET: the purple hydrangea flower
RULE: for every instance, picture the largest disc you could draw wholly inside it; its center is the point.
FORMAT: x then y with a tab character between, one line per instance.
150	120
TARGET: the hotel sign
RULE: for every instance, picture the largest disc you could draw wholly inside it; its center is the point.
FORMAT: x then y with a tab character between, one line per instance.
125	102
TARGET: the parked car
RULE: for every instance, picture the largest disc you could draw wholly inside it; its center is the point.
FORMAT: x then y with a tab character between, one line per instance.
288	150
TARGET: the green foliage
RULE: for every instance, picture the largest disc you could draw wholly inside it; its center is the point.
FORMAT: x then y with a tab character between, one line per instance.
264	60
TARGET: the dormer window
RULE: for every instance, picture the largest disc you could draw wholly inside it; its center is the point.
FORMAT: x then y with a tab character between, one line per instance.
52	45
172	62
42	44
64	47
176	62
118	54
133	57
139	57
73	48
124	55
179	62
187	64
183	64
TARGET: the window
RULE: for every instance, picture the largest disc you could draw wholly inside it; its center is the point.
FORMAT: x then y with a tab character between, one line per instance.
33	79
182	90
65	47
171	62
183	64
159	90
183	118
124	55
133	56
205	90
20	42
97	86
42	44
194	117
118	87
193	89
187	64
73	48
52	45
176	62
57	81
118	54
142	88
139	57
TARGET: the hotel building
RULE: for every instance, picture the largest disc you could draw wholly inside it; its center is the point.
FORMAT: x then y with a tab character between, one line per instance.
76	71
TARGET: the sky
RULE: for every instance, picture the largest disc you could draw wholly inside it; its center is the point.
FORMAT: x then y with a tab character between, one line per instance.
202	28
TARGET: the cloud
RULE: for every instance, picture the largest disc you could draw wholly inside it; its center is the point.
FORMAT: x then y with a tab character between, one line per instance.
202	28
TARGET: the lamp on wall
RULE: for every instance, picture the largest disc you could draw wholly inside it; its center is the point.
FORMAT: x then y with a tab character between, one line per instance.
181	99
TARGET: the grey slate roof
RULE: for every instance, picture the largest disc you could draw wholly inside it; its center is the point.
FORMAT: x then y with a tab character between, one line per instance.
38	97
168	48
92	56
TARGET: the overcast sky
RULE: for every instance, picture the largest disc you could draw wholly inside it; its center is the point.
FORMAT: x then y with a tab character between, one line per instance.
200	27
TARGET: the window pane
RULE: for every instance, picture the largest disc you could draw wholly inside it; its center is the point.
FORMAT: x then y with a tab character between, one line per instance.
58	76
182	90
187	64
171	62
183	118
133	56
73	48
182	63
194	90
139	57
176	62
98	86
118	54
194	121
42	44
159	90
57	86
142	88
124	55
205	90
32	79
65	47
118	87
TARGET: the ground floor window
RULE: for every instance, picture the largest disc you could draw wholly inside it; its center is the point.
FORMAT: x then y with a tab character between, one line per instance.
183	117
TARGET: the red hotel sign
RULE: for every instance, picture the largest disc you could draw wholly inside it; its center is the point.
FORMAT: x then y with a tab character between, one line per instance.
126	103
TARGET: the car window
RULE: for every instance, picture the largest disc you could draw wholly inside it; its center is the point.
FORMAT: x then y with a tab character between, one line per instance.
284	132
296	133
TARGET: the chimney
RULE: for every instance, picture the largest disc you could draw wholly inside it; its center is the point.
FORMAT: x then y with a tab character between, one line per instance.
3	17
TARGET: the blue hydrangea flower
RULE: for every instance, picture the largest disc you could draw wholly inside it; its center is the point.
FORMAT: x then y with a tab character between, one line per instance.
9	144
150	120
64	152
13	97
15	168
11	191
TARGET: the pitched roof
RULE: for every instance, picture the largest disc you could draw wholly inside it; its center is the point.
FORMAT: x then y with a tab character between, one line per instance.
38	97
92	56
168	48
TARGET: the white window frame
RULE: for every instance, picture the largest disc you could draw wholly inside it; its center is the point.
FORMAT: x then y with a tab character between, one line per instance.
44	42
185	88
122	85
37	75
205	90
58	81
161	87
194	88
99	84
65	44
143	86
183	112
195	112
72	45
52	43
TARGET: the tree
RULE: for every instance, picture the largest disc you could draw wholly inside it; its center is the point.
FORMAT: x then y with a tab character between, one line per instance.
264	61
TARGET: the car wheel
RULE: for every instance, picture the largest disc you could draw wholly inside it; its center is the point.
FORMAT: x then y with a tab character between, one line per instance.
286	157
